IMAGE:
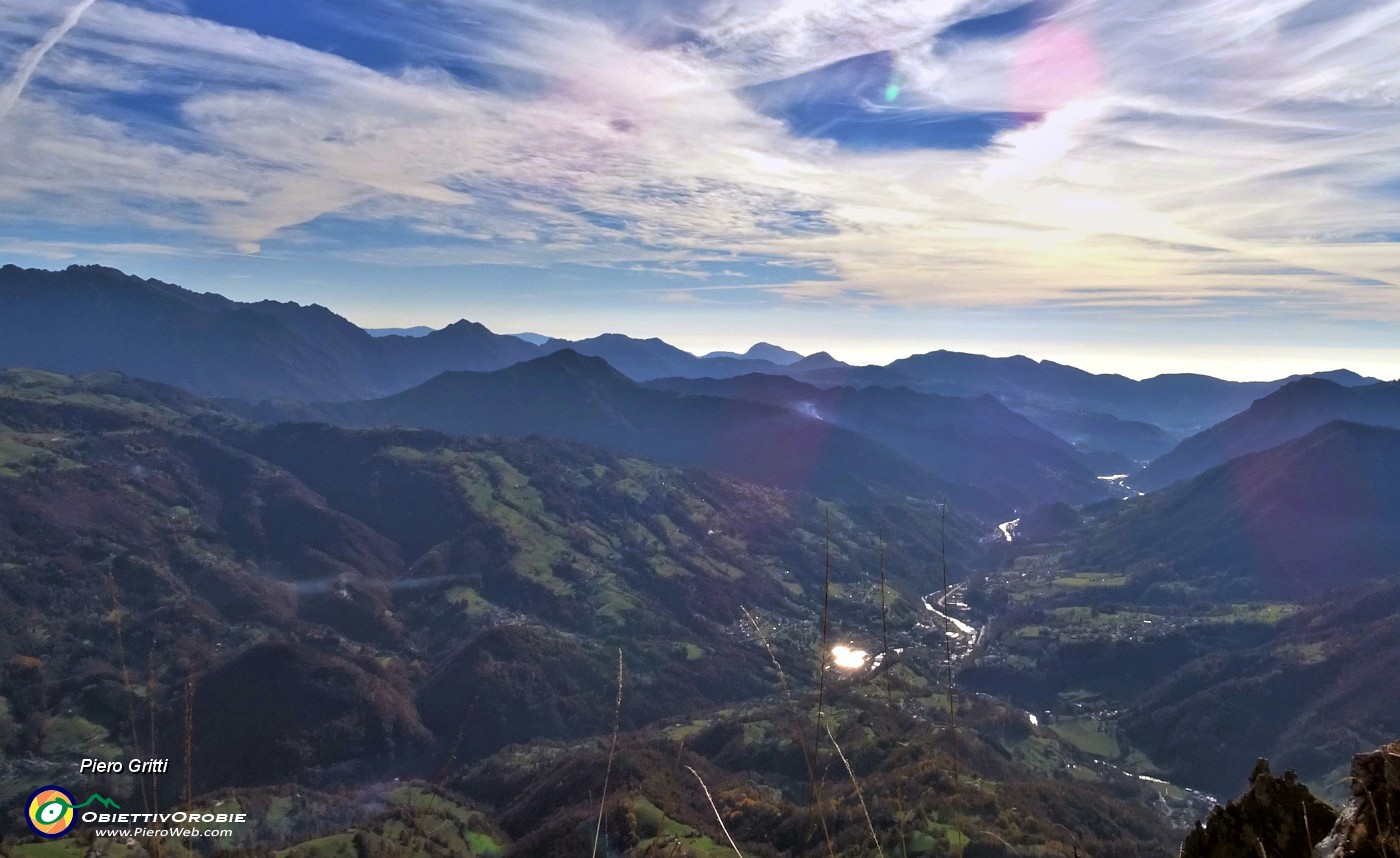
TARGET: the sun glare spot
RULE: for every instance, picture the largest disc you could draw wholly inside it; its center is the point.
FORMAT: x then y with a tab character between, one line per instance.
847	658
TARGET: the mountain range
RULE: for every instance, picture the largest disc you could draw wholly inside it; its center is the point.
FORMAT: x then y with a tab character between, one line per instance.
330	556
378	582
98	319
1290	412
89	318
973	441
310	622
1308	516
583	399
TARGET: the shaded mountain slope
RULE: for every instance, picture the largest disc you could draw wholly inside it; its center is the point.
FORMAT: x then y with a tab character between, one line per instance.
924	796
91	318
1305	517
648	359
1319	691
394	580
1176	402
1180	403
1106	443
567	395
1291	412
974	441
85	319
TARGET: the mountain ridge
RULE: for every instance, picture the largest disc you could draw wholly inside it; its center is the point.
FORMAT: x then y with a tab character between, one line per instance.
970	440
1289	412
1310	514
584	399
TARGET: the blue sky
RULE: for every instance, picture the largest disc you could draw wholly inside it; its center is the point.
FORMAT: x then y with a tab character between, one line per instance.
1127	185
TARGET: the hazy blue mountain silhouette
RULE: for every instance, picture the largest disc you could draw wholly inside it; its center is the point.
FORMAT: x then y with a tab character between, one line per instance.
971	440
1305	517
761	351
92	318
580	398
1290	412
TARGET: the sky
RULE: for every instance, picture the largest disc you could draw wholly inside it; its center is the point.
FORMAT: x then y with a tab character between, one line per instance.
1133	186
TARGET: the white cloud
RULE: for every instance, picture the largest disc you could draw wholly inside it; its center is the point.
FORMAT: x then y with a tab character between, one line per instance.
29	62
1243	126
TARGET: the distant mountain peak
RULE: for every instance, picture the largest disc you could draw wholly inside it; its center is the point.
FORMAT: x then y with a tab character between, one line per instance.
1307	388
464	326
761	351
820	360
568	360
94	318
1344	377
1292	411
614	339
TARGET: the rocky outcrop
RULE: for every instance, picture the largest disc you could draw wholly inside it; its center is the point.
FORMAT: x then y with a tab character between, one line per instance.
1369	825
1277	817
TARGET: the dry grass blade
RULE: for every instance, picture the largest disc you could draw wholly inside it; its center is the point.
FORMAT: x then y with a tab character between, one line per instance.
715	808
151	719
826	622
772	656
189	741
157	844
1003	840
1376	815
117	612
817	767
1307	826
855	783
885	623
799	734
612	750
889	691
948	645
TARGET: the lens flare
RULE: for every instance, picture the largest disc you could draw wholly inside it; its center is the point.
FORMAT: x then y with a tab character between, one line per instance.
1055	64
848	658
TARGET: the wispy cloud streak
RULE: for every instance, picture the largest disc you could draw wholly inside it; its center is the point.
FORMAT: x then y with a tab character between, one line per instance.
29	62
1183	152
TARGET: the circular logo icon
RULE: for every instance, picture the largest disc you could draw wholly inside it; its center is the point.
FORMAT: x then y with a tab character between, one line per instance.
51	812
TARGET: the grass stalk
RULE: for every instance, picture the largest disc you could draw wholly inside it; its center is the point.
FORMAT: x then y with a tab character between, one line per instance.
826	623
799	734
885	622
189	742
157	846
860	796
1003	840
612	751
889	691
948	645
114	595
715	808
1376	815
